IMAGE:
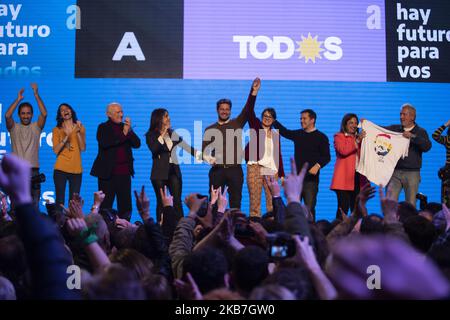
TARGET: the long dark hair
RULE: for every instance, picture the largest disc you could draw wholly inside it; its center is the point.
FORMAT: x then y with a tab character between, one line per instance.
156	120
345	119
59	118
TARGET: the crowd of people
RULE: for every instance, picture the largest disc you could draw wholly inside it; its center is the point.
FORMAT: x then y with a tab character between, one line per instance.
216	251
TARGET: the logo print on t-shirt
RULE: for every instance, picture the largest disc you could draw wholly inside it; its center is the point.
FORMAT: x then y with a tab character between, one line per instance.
382	145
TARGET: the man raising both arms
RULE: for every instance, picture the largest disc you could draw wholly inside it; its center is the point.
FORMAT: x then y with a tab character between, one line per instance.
25	135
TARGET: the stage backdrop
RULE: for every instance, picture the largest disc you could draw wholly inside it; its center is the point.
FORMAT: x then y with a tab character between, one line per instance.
367	57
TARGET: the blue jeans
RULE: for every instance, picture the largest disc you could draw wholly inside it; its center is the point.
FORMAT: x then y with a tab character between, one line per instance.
407	180
61	178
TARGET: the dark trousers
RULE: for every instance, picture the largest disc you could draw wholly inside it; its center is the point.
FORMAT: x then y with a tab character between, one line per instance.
120	186
60	178
231	176
174	184
346	201
35	188
347	198
309	195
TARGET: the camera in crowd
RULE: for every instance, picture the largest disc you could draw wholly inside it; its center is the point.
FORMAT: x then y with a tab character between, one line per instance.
281	246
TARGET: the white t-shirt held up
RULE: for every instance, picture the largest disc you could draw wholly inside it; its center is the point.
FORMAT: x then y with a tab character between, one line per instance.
380	151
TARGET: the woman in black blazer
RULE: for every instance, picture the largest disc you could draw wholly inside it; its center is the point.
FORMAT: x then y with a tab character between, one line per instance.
161	140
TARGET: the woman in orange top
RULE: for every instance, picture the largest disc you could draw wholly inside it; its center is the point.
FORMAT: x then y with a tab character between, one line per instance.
346	181
69	140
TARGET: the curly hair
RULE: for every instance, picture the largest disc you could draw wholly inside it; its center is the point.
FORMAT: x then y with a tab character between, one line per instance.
59	118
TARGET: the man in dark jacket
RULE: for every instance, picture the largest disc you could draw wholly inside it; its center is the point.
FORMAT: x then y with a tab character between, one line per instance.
312	147
114	163
222	141
407	171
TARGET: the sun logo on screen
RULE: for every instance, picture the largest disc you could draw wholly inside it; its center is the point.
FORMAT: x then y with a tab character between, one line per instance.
309	48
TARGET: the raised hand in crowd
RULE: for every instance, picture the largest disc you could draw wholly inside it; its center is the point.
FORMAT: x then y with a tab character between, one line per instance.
99	196
220	198
87	237
225	228
223	233
75	226
389	206
15	179
344	217
123	223
293	183
77	198
447	124
214	195
273	185
304	253
188	290
142	204
194	203
353	222
76	207
366	193
357	227
222	201
260	232
305	256
167	199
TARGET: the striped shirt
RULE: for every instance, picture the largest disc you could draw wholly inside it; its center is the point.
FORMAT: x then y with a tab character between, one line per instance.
444	140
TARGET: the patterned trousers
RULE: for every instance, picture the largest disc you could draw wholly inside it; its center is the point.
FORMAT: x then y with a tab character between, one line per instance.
255	183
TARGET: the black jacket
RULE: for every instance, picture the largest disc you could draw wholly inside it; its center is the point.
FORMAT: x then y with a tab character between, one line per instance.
108	143
161	154
421	143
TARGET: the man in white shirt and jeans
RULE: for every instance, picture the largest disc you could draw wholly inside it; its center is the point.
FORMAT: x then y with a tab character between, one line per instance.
25	135
407	172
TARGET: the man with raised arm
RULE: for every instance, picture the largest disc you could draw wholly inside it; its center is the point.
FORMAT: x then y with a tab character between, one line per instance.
25	135
223	142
